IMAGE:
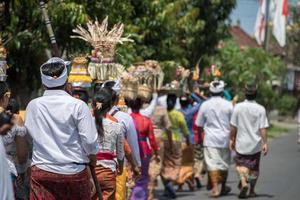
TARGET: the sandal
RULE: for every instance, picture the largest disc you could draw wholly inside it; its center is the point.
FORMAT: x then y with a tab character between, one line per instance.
214	194
225	191
243	193
252	195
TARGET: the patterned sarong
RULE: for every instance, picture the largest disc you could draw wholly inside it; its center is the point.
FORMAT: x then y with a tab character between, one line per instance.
155	168
51	186
187	164
172	161
249	161
107	181
199	165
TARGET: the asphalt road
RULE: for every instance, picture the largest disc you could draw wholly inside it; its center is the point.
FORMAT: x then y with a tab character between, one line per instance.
279	178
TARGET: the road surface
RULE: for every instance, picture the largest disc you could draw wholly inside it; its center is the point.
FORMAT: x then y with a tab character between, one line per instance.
279	179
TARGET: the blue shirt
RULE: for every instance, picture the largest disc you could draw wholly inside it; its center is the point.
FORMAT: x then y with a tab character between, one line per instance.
189	113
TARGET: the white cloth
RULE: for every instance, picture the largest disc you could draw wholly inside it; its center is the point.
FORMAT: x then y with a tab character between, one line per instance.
63	132
51	82
11	149
130	132
260	24
112	142
117	86
216	86
6	189
214	116
249	117
149	110
279	21
217	158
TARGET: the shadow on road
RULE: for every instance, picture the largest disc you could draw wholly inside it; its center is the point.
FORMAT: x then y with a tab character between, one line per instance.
263	196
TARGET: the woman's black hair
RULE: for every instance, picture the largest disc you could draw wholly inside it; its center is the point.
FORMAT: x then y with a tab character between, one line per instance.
102	103
13	106
5	118
3	89
83	94
185	101
171	101
135	105
111	84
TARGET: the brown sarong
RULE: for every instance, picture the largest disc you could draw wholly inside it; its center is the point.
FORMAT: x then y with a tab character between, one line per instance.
187	164
199	165
249	161
155	168
172	161
52	186
107	181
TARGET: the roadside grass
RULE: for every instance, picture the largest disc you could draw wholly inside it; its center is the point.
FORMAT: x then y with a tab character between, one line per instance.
277	130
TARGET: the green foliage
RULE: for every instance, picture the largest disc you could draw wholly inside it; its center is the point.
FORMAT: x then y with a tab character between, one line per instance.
286	105
180	31
239	66
293	35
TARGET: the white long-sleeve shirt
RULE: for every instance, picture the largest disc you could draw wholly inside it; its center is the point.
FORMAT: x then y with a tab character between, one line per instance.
6	190
129	132
63	132
149	110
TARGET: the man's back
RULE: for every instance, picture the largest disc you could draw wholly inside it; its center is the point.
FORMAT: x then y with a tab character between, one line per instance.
63	132
214	115
249	117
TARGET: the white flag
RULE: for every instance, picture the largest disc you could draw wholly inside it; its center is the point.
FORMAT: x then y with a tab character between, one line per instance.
260	24
279	21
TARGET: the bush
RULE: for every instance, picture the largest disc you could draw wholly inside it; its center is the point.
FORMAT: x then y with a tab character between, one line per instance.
239	66
286	105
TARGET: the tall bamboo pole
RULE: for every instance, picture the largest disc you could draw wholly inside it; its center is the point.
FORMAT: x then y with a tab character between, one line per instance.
49	28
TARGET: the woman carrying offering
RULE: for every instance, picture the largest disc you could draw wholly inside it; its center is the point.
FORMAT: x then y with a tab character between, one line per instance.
111	144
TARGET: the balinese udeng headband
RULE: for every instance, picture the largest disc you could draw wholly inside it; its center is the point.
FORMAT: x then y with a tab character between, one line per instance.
51	82
216	86
117	86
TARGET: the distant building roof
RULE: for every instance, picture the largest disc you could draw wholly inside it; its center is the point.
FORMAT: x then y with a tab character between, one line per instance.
244	40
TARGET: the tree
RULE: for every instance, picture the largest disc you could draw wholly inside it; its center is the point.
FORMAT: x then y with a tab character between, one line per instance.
180	31
293	35
239	66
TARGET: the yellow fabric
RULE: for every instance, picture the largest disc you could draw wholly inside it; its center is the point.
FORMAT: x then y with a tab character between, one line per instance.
179	126
79	78
22	114
121	186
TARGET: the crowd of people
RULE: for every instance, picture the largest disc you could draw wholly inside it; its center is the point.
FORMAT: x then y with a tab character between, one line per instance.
73	146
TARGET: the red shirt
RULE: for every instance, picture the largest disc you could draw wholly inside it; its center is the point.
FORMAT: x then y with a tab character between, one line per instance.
195	130
144	129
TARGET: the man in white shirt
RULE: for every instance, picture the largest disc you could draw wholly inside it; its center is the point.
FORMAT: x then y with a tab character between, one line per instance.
214	117
64	139
249	138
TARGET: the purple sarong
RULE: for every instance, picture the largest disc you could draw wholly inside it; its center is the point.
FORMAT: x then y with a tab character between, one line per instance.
140	190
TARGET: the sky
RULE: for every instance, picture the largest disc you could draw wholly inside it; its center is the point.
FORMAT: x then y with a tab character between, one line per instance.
246	11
